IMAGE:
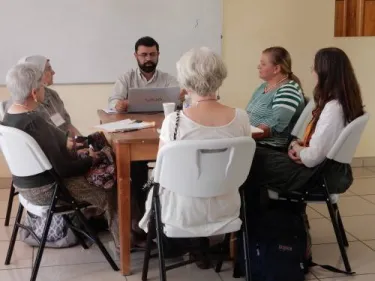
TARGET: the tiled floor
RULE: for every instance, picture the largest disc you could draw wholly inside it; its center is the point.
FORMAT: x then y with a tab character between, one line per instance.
357	207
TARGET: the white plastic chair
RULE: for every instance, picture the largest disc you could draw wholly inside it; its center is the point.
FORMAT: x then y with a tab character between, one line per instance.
302	121
200	168
342	152
25	158
12	192
2	109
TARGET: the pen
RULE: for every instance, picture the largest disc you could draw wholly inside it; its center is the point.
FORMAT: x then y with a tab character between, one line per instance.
126	130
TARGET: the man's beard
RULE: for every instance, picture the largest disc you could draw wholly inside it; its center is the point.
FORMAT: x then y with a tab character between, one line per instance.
148	67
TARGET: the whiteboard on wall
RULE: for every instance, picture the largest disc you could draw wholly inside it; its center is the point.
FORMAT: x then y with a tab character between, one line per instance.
92	41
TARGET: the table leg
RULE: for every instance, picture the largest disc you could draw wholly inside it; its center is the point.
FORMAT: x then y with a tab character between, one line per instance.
123	197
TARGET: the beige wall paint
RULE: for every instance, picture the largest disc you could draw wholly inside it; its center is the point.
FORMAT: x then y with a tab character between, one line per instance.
252	26
301	26
361	52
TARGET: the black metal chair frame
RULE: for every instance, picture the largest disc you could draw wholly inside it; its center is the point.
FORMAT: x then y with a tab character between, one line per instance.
12	194
60	194
156	224
318	191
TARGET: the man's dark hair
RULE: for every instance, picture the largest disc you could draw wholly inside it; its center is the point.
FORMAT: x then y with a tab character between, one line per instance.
146	41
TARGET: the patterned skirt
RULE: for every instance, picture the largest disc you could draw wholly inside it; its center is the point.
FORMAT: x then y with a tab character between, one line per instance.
82	191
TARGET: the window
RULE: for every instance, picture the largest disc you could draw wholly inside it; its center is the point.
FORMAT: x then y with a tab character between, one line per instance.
355	18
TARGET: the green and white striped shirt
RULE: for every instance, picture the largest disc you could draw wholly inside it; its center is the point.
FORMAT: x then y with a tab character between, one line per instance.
278	109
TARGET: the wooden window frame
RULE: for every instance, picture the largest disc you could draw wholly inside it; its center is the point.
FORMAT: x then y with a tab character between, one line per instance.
353	14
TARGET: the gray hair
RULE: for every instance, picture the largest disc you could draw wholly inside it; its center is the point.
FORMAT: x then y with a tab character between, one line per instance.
37	60
201	71
21	79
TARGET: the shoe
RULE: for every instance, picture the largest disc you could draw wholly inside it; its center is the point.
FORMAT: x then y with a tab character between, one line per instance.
139	244
201	260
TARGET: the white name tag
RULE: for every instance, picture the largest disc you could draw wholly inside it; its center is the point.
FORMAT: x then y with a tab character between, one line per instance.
57	120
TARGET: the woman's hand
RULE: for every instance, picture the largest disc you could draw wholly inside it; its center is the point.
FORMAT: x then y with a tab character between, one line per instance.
69	143
96	156
266	132
294	143
298	148
72	144
294	155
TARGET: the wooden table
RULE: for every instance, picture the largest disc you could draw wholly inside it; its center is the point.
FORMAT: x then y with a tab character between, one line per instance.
139	145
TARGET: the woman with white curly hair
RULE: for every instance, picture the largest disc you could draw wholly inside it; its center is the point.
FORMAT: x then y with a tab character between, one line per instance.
200	72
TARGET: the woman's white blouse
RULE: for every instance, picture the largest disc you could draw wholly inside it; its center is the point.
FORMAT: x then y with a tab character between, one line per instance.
200	216
329	127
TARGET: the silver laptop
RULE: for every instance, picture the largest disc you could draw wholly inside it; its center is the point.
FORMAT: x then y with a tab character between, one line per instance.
151	99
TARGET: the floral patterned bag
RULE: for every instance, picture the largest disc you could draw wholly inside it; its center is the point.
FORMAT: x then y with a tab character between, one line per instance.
102	174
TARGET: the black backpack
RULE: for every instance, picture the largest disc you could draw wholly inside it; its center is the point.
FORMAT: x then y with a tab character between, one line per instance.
280	247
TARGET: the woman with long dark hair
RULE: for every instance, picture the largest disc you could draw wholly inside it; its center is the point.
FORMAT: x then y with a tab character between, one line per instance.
338	102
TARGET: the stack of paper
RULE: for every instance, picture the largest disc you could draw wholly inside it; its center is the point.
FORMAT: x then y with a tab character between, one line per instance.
126	125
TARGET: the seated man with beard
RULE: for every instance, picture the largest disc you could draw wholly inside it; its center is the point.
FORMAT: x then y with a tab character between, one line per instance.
145	76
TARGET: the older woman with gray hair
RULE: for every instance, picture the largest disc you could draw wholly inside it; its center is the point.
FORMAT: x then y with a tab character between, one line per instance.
200	72
52	107
25	83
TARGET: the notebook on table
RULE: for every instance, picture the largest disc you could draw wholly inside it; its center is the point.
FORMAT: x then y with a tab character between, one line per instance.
126	125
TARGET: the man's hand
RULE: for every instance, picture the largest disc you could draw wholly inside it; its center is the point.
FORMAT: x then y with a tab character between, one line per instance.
183	93
122	105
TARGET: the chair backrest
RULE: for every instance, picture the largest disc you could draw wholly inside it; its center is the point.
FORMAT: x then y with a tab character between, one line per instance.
307	99
204	168
345	146
2	109
22	153
303	120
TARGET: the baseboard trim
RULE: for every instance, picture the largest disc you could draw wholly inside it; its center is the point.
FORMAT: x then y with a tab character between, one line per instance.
359	162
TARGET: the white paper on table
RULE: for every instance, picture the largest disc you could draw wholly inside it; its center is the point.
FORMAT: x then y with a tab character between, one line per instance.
124	125
255	130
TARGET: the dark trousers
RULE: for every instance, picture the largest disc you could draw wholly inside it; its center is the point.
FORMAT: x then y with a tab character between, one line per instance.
139	176
274	170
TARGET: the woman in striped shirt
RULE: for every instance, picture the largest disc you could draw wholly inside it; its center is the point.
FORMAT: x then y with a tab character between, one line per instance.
276	104
338	101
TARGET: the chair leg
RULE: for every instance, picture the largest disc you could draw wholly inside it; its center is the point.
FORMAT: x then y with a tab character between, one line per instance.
147	256
78	235
245	236
159	234
43	240
338	234
96	239
223	249
10	204
14	235
341	225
